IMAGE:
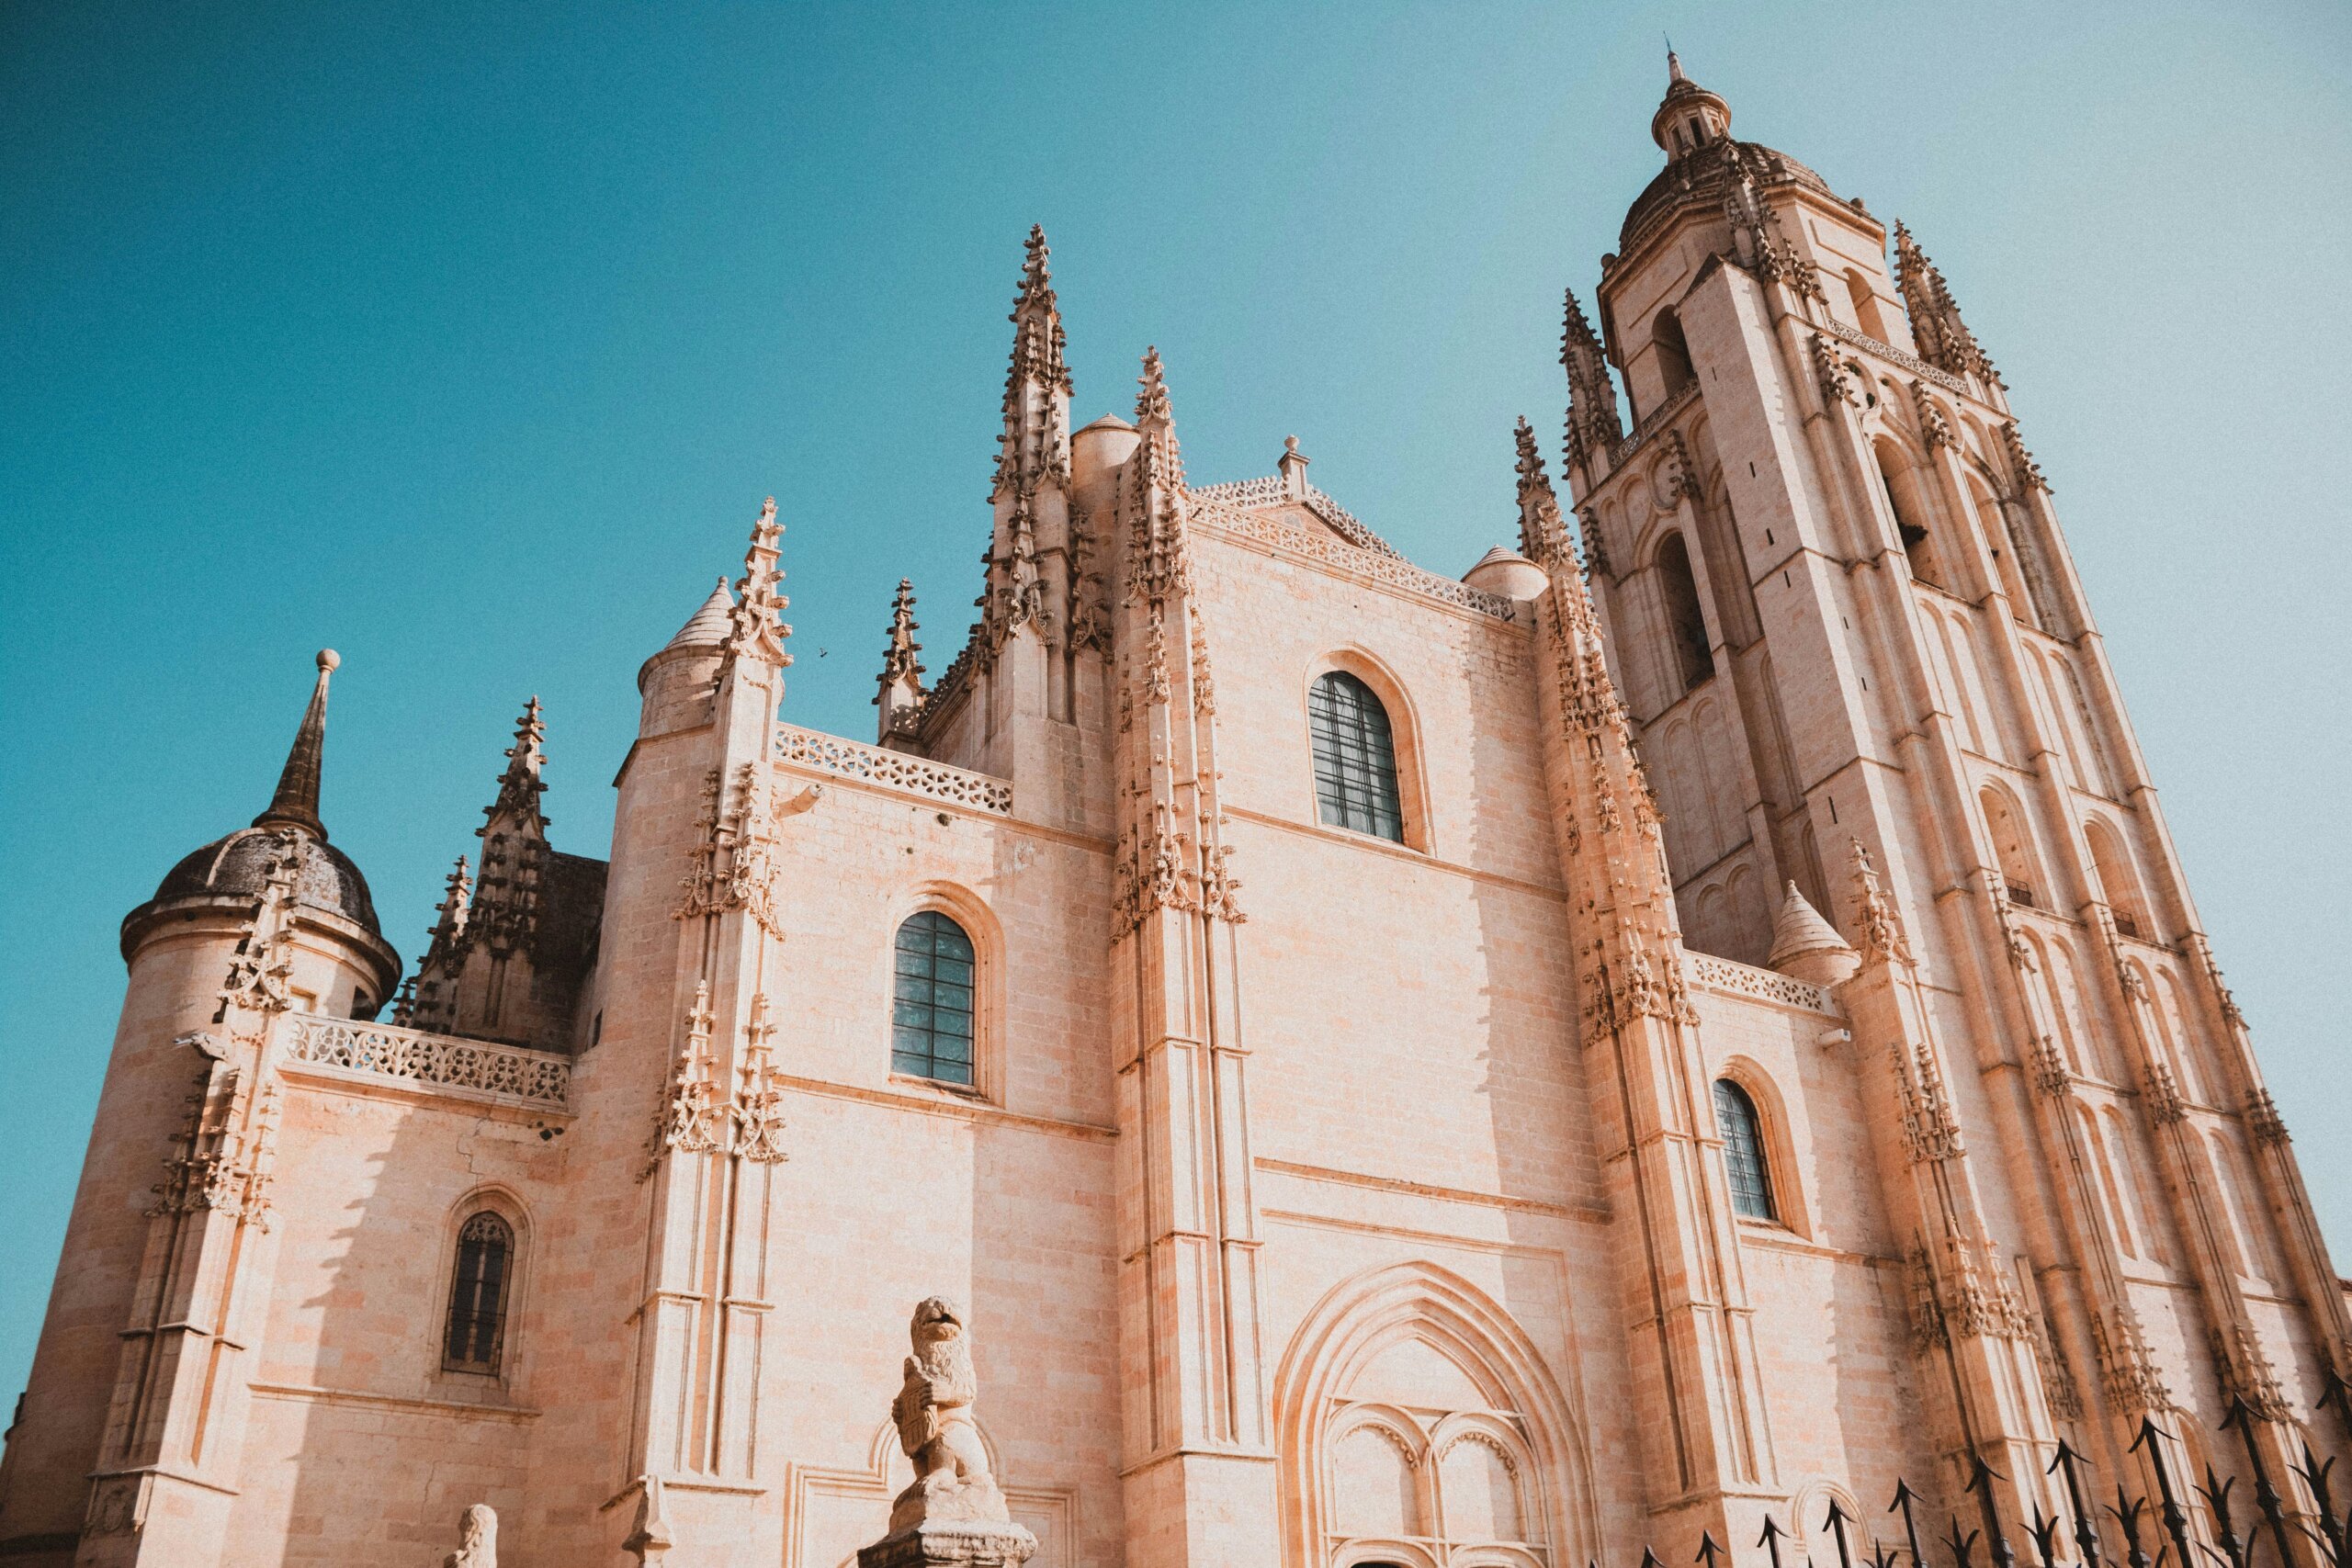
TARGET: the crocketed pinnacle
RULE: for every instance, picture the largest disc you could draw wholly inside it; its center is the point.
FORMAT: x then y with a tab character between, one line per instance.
1593	425
520	786
296	804
898	660
1542	537
1943	338
755	628
1155	418
1036	441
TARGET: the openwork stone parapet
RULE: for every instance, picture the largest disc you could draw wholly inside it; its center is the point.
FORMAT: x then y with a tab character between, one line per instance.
1728	978
895	769
470	1069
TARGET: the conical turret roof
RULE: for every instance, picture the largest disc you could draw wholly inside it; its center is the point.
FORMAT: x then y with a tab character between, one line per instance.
706	627
1799	929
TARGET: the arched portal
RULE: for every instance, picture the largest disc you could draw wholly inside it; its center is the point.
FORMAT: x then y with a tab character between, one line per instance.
1416	1420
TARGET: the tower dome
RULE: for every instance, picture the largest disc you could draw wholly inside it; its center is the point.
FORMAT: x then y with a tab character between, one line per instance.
232	870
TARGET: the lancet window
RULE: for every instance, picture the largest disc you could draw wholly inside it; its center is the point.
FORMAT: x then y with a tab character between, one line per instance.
1745	1167
475	1337
1355	757
1686	624
931	1000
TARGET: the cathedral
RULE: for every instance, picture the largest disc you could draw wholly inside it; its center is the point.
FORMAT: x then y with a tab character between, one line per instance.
1667	1041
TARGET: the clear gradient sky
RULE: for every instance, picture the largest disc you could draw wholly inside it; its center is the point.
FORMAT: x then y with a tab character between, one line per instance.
466	340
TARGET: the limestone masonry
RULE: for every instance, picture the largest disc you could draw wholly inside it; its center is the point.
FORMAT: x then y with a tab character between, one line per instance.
1688	1024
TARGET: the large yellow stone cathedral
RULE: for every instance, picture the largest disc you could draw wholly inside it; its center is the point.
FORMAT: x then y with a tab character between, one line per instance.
1648	1044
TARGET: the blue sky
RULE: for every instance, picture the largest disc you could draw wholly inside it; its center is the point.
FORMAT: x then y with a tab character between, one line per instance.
467	339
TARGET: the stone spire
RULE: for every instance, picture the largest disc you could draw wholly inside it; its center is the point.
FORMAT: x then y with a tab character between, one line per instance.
1155	418
901	696
1593	425
1035	441
520	786
1542	537
755	626
296	804
1943	338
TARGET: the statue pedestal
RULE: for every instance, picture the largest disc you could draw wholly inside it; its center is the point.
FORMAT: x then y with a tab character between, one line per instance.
958	1543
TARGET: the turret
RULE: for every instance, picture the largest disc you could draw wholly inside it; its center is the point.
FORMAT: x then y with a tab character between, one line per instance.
346	966
674	685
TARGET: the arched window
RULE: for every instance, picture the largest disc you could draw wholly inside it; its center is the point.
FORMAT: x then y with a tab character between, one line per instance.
1355	757
1673	352
2116	881
1910	515
2009	848
1864	297
1744	1164
478	1293
1686	625
931	1000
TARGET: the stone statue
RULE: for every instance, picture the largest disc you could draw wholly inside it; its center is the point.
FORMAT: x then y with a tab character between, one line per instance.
954	1513
476	1539
933	1415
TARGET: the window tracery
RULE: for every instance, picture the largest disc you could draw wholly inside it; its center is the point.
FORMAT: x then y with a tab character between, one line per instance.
474	1337
931	1000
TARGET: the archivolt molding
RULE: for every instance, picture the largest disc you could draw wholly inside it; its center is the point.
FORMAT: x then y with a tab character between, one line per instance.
1363	1316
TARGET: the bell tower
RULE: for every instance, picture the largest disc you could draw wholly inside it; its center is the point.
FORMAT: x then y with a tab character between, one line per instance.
1856	658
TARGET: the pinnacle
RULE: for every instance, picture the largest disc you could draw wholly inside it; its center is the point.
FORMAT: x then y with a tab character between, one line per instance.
296	801
1152	407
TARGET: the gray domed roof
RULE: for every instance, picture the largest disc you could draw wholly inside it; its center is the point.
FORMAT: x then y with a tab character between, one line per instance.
1703	177
237	866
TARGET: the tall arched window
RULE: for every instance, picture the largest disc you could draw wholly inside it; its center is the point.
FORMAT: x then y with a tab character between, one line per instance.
1673	352
2009	847
1744	1164
476	1329
1355	757
931	1000
1686	625
1902	498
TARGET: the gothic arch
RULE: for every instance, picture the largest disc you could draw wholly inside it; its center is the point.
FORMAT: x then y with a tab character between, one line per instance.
485	1198
2118	879
1404	736
1383	1308
1790	1207
980	923
2013	848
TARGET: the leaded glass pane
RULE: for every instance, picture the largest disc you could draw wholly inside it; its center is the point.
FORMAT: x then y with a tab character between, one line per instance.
472	1339
930	1008
1750	1179
1355	758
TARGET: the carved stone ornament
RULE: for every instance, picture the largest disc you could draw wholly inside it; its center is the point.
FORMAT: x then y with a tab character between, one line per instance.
2164	1102
1930	1131
2022	467
2263	1120
2251	1372
1829	371
755	1120
1934	428
733	864
2127	1372
688	1120
2051	1074
476	1539
2059	1390
117	1506
953	1512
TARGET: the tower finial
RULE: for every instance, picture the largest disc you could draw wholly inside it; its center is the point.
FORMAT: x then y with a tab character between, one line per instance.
1542	537
1673	66
520	786
1036	441
296	804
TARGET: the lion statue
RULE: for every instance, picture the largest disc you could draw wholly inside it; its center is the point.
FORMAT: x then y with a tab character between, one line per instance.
933	1415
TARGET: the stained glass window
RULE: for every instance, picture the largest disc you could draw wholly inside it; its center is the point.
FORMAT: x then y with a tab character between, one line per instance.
476	1327
1744	1167
931	1001
1355	757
